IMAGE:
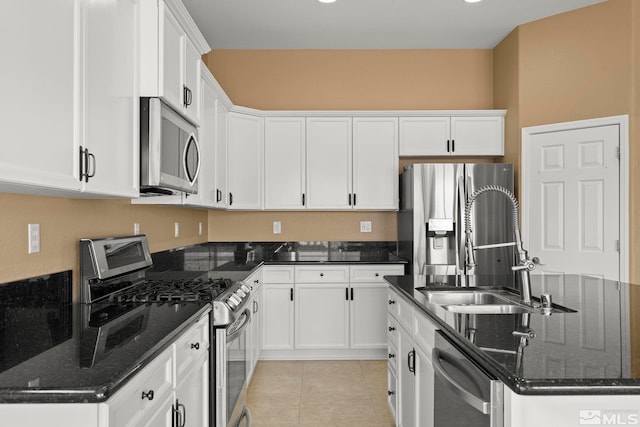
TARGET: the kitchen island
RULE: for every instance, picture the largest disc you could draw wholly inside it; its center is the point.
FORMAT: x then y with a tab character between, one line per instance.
560	369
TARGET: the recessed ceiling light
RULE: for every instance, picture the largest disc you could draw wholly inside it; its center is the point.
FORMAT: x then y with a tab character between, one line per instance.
473	1
326	1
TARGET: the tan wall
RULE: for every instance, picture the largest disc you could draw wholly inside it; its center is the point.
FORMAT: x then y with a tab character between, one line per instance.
63	222
355	79
343	80
573	66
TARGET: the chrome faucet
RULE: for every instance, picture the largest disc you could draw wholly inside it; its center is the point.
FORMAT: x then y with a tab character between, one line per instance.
525	265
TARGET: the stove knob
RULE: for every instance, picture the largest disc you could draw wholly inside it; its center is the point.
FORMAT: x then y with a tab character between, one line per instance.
245	288
233	301
240	293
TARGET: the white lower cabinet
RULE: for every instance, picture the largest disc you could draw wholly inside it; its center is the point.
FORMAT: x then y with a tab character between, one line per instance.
322	316
254	282
328	311
410	340
277	329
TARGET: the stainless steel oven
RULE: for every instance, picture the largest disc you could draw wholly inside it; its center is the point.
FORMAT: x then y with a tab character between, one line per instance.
463	394
232	357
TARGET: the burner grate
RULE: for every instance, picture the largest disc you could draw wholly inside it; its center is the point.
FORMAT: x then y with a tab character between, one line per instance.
172	291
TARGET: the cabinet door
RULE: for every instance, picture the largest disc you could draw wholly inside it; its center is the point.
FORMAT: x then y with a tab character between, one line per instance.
424	136
329	163
483	136
191	90
206	195
172	54
284	163
192	395
368	326
111	97
277	317
40	145
221	157
245	161
406	372
256	329
322	316
375	163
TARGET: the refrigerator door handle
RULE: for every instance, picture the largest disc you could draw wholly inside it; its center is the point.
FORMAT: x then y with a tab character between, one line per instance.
460	204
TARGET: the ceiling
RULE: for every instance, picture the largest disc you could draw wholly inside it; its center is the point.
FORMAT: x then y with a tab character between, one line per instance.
366	24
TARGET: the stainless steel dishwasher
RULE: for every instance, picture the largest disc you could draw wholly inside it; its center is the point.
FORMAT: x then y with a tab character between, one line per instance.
464	394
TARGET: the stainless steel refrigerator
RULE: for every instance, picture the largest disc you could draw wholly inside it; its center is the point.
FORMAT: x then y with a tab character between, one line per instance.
431	232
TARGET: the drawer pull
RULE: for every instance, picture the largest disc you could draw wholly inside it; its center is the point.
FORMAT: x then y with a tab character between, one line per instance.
147	395
390	393
391	329
391	302
196	346
377	274
321	274
391	355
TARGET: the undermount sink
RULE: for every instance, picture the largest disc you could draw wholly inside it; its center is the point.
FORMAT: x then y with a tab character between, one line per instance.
484	301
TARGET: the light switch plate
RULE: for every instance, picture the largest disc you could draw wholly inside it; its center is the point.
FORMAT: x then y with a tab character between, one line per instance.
176	229
200	228
34	238
136	228
277	227
365	226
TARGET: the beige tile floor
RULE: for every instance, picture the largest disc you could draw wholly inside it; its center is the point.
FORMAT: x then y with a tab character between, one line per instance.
320	394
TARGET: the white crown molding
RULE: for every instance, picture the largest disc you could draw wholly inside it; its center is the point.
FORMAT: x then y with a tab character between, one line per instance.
188	24
368	113
222	96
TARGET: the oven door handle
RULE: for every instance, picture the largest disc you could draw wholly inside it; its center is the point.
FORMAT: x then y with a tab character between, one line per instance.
474	401
240	329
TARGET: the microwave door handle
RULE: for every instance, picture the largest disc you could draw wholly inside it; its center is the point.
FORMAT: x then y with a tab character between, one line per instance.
192	140
472	400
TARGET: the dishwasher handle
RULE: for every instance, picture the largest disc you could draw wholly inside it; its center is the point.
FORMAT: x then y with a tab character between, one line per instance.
474	401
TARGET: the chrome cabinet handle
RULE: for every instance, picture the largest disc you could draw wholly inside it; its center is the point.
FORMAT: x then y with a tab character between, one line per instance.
411	361
179	414
472	400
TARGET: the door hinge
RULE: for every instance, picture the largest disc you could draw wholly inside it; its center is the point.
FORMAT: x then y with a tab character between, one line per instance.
617	245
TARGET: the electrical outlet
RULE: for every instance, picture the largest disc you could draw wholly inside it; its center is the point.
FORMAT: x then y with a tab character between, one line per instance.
277	227
200	228
176	227
34	238
365	226
136	228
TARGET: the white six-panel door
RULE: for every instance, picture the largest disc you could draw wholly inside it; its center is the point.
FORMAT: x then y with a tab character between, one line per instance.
571	183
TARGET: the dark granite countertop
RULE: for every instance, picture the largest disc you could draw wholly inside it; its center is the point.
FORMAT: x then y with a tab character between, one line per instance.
590	351
41	328
50	351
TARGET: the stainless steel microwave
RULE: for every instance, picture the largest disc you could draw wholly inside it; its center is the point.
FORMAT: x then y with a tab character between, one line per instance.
169	150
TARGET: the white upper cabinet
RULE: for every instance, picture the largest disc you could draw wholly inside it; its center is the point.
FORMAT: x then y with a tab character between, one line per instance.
170	54
329	163
221	154
452	135
284	163
375	163
110	98
74	130
206	195
245	161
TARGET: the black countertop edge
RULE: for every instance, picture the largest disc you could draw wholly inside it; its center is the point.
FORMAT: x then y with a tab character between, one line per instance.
100	393
596	386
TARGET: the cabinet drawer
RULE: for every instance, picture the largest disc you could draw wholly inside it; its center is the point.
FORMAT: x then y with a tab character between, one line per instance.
401	310
392	357
192	345
277	274
144	394
329	274
393	331
374	273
